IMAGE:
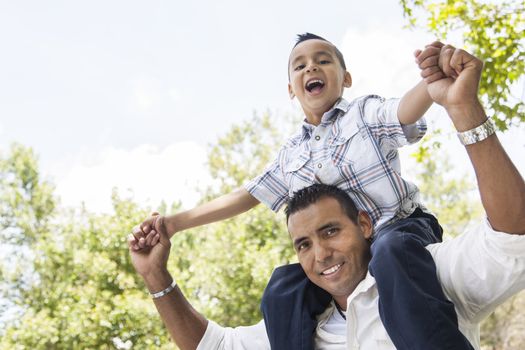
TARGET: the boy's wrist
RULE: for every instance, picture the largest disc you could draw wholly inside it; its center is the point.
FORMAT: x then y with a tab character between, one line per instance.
170	223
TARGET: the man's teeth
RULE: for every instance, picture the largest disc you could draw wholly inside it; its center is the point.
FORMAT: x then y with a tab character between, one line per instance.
331	270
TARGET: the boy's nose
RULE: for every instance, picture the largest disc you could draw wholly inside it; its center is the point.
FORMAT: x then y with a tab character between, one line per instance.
311	68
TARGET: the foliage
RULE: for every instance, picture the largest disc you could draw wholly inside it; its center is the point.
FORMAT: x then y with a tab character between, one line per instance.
505	328
78	289
451	198
495	32
225	267
25	200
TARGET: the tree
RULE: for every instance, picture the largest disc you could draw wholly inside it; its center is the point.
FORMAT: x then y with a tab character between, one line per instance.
83	292
225	267
77	288
452	196
494	31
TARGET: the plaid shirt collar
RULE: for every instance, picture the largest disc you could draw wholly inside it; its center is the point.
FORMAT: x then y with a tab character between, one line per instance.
339	109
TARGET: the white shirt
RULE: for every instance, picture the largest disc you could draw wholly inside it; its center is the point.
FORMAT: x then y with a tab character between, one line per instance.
478	271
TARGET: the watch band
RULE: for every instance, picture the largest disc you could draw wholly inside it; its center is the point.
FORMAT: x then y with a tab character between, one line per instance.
165	291
477	134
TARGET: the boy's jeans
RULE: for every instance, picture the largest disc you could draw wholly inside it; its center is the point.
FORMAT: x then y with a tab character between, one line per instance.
409	293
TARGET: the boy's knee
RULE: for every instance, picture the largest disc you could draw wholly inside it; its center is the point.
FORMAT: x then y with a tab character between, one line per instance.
393	246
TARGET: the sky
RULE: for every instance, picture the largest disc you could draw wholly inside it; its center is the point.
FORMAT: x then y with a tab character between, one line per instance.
129	94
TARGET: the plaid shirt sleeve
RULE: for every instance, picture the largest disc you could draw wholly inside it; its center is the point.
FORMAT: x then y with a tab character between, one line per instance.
269	187
381	117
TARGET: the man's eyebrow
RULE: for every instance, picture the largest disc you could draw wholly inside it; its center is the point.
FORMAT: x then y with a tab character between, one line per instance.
328	225
298	241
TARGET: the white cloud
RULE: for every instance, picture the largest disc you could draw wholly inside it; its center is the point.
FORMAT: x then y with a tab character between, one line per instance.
152	174
381	60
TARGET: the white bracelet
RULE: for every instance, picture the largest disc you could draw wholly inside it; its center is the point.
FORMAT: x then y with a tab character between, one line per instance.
477	134
165	291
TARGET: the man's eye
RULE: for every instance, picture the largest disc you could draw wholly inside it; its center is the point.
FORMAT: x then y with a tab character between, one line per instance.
299	67
331	231
302	246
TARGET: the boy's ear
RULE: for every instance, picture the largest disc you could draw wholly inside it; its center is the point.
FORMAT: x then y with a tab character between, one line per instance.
347	81
290	91
365	224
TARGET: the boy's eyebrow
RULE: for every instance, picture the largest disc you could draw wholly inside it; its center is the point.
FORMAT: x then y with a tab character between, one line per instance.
316	54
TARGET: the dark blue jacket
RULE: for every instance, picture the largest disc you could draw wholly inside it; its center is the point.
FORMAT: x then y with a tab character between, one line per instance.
290	305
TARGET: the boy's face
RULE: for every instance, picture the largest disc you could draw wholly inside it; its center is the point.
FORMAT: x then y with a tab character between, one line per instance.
316	77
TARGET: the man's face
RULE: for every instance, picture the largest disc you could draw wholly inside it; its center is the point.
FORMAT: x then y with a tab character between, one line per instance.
316	77
332	249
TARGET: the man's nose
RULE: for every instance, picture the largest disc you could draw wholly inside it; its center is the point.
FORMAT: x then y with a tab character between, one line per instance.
322	252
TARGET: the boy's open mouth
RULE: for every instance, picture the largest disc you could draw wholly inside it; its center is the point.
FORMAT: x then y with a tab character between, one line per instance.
314	85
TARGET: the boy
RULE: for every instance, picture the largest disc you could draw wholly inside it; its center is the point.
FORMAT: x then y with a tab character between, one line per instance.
352	145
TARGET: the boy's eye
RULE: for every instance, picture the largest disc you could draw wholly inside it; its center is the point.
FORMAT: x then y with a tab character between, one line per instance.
299	67
324	62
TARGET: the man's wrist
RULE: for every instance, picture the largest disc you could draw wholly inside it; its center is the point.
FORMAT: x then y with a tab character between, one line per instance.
157	280
467	117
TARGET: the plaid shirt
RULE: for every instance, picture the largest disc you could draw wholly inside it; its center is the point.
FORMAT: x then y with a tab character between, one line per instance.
355	148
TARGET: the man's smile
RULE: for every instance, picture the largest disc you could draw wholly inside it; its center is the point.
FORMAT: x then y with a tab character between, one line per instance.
332	270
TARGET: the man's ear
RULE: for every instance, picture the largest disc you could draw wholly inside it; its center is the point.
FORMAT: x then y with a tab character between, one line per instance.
365	224
347	81
290	91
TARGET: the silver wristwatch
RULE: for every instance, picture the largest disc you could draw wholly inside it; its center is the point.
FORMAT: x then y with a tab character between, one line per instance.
164	292
477	134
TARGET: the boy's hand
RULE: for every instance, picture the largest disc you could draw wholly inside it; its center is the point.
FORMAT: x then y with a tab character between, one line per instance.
147	234
428	62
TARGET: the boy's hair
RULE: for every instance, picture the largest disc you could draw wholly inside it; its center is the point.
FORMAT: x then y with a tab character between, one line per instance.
312	194
310	36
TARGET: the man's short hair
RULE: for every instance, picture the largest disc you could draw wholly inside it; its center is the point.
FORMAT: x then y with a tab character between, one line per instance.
310	36
312	194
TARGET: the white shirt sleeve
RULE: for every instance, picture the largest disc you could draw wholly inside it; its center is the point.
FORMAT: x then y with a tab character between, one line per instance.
239	338
481	269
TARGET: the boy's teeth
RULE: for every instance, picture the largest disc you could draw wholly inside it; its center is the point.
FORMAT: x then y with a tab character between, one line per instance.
331	270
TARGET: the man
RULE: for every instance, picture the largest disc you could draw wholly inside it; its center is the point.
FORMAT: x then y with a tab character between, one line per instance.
477	271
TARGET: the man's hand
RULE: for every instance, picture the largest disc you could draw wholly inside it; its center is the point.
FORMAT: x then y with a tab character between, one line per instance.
452	76
154	259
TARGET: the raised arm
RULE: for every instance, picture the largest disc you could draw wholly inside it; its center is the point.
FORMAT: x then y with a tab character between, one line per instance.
501	186
414	104
221	208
